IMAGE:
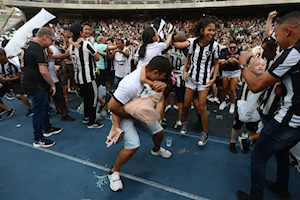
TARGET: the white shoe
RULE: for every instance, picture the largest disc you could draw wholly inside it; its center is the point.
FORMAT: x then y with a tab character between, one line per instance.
244	135
115	182
178	124
162	152
222	105
232	108
216	100
210	98
175	107
168	107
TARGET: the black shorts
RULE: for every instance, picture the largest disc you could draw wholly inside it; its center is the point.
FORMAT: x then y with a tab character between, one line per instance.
16	87
102	77
111	75
3	89
69	74
250	126
59	95
180	91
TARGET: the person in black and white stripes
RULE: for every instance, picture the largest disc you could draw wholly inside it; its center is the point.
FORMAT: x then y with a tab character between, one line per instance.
203	53
283	131
83	61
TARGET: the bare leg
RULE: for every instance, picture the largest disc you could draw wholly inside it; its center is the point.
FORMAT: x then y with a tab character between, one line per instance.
188	97
123	156
234	134
233	83
157	139
202	95
24	100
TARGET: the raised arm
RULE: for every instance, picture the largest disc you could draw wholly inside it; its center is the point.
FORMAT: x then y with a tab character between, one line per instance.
268	29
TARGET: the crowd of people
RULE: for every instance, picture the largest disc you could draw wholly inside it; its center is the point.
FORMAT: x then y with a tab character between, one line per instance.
142	63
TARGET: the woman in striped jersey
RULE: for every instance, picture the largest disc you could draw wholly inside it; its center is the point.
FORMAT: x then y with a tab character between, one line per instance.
203	54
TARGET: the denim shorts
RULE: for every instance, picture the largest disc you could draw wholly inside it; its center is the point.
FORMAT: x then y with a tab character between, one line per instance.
231	74
131	137
192	84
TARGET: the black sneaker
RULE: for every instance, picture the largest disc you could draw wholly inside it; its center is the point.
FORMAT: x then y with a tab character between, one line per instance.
95	125
2	112
244	145
29	113
10	113
163	122
86	120
283	194
67	118
1	118
43	143
52	131
9	96
233	148
203	139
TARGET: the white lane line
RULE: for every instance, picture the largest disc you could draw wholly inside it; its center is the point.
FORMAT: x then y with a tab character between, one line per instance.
100	167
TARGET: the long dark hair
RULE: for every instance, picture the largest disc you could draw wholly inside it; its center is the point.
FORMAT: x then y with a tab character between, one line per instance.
201	26
147	36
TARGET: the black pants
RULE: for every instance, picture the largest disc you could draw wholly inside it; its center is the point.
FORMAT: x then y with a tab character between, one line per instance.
89	93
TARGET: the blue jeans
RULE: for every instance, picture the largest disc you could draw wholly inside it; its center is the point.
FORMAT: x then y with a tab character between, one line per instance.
275	139
40	118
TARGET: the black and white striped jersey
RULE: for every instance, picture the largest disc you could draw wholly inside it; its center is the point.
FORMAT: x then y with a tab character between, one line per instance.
9	70
287	68
83	62
177	58
202	60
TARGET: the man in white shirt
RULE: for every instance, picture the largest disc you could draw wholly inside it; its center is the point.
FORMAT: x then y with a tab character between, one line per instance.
129	88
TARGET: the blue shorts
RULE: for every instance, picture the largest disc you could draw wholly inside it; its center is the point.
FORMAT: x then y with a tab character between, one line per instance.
131	137
180	91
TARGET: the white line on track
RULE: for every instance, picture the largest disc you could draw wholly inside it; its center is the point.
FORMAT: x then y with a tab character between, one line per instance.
100	167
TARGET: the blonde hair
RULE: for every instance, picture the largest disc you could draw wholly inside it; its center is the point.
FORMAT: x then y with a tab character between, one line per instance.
254	61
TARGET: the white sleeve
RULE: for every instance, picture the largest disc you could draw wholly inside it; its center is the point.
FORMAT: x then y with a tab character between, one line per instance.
216	50
123	94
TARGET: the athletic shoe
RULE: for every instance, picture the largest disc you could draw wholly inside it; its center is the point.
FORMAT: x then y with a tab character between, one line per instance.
115	182
183	129
2	112
203	139
178	124
216	100
43	143
163	122
244	145
162	152
10	113
168	107
52	131
29	113
232	108
67	118
233	148
242	195
192	107
95	125
210	98
175	107
244	135
86	120
222	105
283	194
9	96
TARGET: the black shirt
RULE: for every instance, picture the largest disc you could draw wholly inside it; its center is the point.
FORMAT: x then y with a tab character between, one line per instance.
31	56
231	66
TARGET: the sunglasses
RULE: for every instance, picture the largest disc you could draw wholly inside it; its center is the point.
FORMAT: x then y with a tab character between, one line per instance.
232	47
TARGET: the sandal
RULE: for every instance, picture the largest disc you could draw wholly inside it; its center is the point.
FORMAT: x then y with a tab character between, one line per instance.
118	136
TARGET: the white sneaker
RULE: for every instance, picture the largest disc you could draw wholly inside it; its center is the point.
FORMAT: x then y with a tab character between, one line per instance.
244	135
216	100
178	124
232	108
162	152
222	105
115	182
210	98
168	107
175	107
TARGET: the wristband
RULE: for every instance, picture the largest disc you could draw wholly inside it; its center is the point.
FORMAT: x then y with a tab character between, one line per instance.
243	66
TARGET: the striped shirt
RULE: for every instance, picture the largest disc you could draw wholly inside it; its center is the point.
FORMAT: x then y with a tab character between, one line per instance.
287	68
177	58
9	70
83	62
202	60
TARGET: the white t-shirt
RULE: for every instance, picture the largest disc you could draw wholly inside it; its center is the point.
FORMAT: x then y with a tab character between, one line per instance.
129	87
122	67
152	50
52	64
